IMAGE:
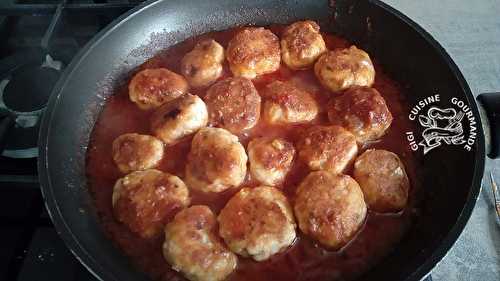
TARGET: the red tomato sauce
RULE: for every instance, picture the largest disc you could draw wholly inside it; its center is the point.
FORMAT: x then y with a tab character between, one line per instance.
305	260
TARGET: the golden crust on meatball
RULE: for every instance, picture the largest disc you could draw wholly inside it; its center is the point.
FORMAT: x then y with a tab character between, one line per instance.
301	44
383	179
203	65
253	51
284	103
257	222
270	159
192	246
178	118
344	68
151	88
233	104
330	148
146	200
362	111
330	208
132	152
217	161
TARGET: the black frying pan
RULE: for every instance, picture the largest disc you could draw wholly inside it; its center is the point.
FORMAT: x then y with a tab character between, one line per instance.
451	176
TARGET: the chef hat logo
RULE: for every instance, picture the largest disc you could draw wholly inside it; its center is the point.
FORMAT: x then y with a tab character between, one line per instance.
441	125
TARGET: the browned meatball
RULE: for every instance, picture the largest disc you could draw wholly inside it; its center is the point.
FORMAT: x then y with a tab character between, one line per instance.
270	159
301	44
233	104
382	176
132	152
151	88
330	148
285	103
217	161
252	52
203	65
178	118
257	222
192	247
362	111
344	68
330	208
146	200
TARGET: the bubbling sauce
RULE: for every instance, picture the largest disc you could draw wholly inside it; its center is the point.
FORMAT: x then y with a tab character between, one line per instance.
305	259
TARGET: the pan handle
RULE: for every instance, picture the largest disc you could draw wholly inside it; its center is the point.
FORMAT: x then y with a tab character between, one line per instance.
490	102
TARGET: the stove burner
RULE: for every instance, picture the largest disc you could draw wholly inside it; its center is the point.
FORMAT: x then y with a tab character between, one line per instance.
29	88
25	92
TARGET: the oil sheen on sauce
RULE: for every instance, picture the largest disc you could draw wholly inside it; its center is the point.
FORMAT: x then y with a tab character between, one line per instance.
305	260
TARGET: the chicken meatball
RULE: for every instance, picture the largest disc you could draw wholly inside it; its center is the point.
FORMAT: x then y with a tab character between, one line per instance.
270	159
330	148
217	161
192	246
233	104
344	68
285	103
330	208
257	222
383	179
203	65
362	111
132	152
146	200
253	51
301	44
151	88
179	118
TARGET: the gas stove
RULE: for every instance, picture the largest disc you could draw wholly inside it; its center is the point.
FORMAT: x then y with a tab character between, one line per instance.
39	39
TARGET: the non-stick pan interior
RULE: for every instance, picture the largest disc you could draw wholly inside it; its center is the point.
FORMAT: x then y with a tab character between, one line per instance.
448	177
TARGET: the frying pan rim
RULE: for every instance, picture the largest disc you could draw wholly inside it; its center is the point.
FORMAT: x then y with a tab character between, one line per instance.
83	255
